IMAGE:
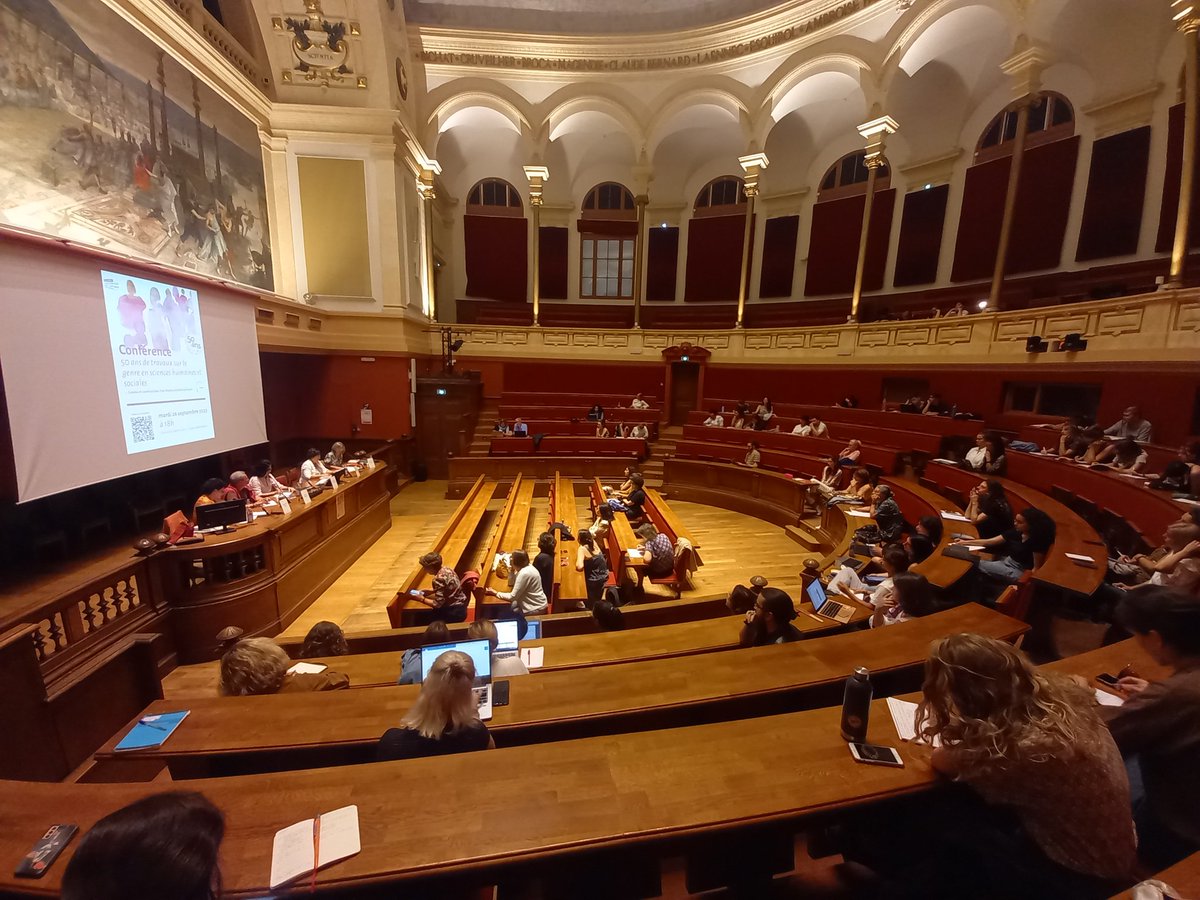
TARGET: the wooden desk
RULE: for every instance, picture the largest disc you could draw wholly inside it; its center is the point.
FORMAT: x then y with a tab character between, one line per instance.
576	427
886	459
226	735
898	421
508	534
570	587
754	492
841	432
559	445
1072	533
777	460
566	412
451	543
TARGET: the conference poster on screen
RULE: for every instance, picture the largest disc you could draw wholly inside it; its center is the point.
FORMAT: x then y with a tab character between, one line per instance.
158	358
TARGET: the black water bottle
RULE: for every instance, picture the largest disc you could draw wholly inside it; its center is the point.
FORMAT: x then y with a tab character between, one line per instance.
856	706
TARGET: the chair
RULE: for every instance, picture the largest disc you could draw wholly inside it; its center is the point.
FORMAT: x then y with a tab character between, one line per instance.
1015	600
678	579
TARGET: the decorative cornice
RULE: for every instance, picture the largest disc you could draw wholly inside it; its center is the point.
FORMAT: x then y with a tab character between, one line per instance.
934	170
456	48
1112	115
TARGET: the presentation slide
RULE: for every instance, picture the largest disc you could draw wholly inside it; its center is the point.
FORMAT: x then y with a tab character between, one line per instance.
157	343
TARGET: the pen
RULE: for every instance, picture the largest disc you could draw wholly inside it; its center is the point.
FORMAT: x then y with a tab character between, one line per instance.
151	725
316	848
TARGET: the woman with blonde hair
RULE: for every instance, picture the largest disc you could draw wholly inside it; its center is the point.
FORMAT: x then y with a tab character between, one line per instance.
1046	811
445	717
260	666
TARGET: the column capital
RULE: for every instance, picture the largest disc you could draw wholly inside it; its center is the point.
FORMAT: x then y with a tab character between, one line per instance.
1185	15
876	133
1025	67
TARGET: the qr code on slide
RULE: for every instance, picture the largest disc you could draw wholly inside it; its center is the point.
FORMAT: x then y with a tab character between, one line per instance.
142	428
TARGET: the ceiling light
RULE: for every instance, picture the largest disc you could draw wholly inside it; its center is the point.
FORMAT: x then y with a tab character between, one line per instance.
982	305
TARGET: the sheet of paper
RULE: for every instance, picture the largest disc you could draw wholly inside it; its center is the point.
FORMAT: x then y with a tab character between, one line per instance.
292	850
1079	556
370	462
954	517
975	548
305	497
285	505
257	514
947	462
904	717
858	513
634	555
333	482
533	657
307	668
1104	698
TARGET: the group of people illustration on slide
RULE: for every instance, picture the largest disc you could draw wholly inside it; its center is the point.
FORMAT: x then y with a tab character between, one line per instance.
165	323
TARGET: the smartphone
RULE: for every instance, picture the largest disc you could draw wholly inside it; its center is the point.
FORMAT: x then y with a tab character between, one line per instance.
500	693
1105	678
876	755
45	851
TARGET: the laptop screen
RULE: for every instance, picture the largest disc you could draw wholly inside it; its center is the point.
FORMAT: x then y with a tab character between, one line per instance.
816	594
506	630
535	630
479	651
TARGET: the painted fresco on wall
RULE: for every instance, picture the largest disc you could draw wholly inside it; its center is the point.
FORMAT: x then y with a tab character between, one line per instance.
107	141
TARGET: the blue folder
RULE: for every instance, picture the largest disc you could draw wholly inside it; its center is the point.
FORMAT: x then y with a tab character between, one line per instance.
151	731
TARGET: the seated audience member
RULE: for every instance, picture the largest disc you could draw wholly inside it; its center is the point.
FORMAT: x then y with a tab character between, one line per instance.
657	552
601	522
817	428
1038	800
519	428
1176	477
925	538
763	415
445	718
974	458
1069	431
1159	724
715	420
957	310
988	508
895	561
596	413
858	490
607	616
635	500
504	665
741	599
336	457
502	427
410	661
227	637
239	483
1189	455
312	470
1021	548
590	560
626	486
803	428
527	597
639	403
849	455
639	431
264	484
602	430
770	622
824	488
741	414
214	490
447	597
260	666
753	457
911	597
1130	425
848	402
987	456
165	846
889	521
1126	455
324	639
1178	567
934	406
1094	443
544	561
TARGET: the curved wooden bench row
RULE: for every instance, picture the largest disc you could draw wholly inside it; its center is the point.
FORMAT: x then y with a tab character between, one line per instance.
227	735
886	459
550	409
939	425
577	427
561	445
1047	438
554	817
1072	533
840	432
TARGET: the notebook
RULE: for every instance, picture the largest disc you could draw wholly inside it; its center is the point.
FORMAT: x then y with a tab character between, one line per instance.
823	606
954	517
303	848
533	657
151	731
904	717
481	654
307	668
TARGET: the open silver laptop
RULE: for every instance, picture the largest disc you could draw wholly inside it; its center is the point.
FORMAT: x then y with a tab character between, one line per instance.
823	606
481	654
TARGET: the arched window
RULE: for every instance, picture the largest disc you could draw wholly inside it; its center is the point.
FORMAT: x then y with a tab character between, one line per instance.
609	201
1051	118
493	197
607	232
848	177
724	196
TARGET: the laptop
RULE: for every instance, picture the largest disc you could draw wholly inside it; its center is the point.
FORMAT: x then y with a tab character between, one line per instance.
823	606
508	632
481	654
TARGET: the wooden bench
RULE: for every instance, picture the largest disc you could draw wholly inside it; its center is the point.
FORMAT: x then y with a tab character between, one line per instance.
886	459
754	492
577	427
570	587
508	534
561	445
228	735
840	432
464	470
567	412
939	425
452	544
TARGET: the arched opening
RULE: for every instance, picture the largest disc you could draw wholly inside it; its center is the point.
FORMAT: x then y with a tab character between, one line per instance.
494	197
607	242
848	177
723	196
1051	118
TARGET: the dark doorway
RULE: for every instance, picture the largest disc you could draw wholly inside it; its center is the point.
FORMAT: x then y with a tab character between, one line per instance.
685	390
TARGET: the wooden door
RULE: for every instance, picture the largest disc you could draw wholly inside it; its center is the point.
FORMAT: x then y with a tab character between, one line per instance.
685	391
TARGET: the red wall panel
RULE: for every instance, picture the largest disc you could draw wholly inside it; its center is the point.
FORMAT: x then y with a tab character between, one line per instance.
573	378
1170	197
779	256
833	244
662	259
920	243
1043	203
714	258
497	257
1116	191
552	262
979	220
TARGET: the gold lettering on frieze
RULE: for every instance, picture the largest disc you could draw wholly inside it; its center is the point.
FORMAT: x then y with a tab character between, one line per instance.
1120	321
647	63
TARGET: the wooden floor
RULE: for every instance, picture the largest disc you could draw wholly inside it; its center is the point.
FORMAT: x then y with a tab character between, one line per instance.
733	547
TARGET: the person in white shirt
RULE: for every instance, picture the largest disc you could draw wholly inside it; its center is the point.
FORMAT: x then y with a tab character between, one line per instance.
817	428
640	431
716	420
639	403
263	482
527	597
803	427
504	665
312	469
976	455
